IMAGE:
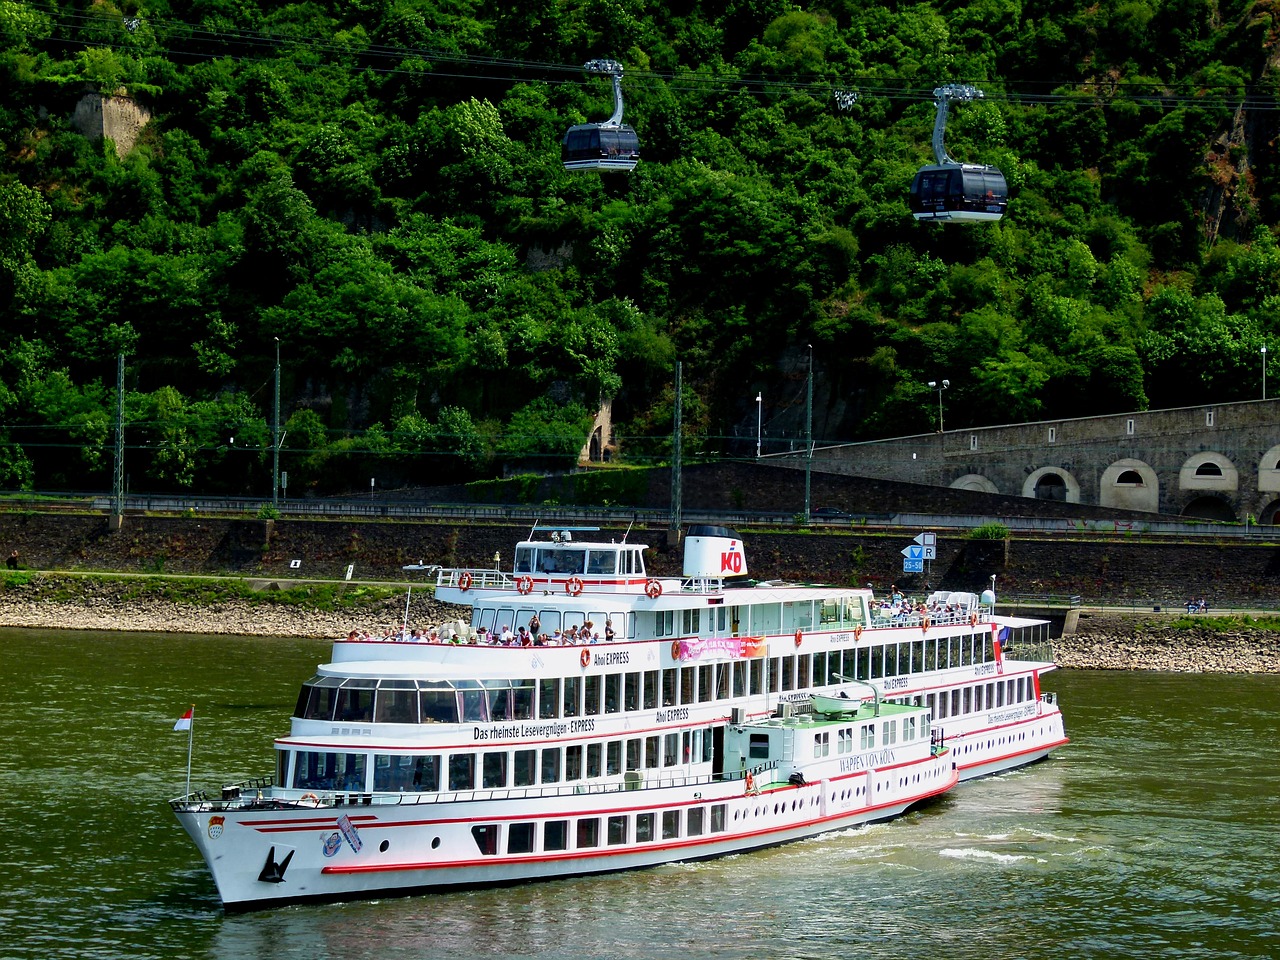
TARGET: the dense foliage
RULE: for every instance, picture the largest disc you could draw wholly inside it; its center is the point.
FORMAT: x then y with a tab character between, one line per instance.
373	189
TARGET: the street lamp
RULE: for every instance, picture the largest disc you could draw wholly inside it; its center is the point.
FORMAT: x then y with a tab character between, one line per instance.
1264	371
808	442
939	386
759	420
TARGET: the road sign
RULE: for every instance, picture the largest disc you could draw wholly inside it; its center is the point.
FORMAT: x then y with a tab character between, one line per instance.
927	539
913	552
930	553
912	566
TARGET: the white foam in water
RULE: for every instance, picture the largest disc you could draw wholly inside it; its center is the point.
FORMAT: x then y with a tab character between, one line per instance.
969	853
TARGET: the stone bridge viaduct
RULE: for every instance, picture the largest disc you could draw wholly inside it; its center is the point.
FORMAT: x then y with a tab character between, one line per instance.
1210	462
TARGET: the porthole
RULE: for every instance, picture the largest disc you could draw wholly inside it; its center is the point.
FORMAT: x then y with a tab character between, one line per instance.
435	843
384	846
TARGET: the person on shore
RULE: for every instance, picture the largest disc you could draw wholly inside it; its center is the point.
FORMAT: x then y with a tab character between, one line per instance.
12	562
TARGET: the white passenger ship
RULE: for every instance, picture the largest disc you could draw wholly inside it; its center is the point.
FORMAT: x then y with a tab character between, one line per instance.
717	719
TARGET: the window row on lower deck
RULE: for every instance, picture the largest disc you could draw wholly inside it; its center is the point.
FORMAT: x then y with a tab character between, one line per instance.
590	833
495	769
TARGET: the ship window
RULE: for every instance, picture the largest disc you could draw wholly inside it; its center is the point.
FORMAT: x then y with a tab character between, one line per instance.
844	741
644	827
633	754
665	623
669	680
867	736
591	699
696	818
788	673
601	562
355	701
520	838
706	686
406	774
486	838
494	771
524	560
650	689
549	698
555	835
718	817
908	729
740	678
397	702
670	749
572	693
803	665
822	744
631	692
612	693
588	833
758	748
617	830
573	762
551	765
691	621
670	824
651	757
595	753
613	758
688	685
522	767
757	676
319	698
329	771
462	771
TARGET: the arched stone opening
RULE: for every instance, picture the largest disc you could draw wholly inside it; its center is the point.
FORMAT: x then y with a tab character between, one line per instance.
1209	508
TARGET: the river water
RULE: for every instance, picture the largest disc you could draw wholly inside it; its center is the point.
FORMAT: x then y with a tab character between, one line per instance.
1151	834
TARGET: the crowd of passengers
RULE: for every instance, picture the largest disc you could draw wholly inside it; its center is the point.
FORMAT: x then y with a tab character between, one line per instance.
459	632
902	609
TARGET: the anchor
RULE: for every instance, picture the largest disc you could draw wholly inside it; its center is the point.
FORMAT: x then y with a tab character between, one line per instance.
273	872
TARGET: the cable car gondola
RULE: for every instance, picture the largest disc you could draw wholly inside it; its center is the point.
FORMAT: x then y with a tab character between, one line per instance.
949	191
607	146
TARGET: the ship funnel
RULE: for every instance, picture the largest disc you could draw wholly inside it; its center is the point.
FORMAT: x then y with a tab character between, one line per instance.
713	552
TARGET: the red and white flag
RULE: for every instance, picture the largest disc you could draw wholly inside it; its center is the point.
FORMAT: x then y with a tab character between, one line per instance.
184	721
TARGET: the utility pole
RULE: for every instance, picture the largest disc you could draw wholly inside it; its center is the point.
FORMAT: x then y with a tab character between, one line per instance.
676	492
808	441
117	473
275	437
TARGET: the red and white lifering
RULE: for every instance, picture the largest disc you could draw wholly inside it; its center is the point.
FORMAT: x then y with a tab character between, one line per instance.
857	632
573	586
585	657
924	625
973	619
653	589
799	637
524	584
464	580
675	649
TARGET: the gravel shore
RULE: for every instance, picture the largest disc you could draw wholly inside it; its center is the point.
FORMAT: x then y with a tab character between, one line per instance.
1101	641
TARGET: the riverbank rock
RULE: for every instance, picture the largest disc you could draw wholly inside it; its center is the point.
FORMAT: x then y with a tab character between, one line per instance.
55	601
1127	642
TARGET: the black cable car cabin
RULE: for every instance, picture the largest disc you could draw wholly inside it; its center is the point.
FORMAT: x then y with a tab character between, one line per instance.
962	192
600	146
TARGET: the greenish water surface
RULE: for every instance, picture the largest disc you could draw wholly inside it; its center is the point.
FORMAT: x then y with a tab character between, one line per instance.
1151	834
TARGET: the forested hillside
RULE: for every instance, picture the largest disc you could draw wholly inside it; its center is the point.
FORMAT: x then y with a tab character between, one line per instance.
372	191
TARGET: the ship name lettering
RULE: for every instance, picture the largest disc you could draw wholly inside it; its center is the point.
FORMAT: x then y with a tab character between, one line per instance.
579	726
612	658
982	669
675	713
896	683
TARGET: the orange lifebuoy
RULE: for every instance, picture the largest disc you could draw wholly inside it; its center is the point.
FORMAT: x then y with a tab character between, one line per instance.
524	584
573	586
973	619
799	637
464	580
857	632
675	649
924	625
750	784
585	657
653	589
